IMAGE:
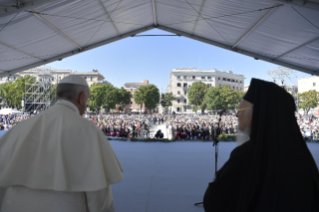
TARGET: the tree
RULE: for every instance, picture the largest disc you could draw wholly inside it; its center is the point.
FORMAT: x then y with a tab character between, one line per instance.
96	99
110	97
222	97
167	99
240	96
148	95
123	98
196	96
308	100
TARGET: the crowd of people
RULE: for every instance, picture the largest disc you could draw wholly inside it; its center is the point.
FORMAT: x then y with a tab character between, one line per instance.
187	126
309	126
202	127
127	125
10	120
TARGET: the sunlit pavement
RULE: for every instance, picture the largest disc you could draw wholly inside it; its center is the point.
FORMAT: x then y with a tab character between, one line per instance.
168	177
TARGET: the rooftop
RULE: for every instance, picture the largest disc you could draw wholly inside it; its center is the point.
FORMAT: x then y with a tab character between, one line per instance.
308	78
194	70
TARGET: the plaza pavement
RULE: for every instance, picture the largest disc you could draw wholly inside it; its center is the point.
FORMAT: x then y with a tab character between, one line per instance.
168	177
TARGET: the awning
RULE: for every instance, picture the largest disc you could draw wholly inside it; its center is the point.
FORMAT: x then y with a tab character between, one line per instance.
37	32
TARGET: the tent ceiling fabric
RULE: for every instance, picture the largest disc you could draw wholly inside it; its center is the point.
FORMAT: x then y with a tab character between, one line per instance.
37	32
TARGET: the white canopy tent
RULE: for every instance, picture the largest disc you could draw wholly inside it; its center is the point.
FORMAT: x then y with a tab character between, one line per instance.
7	111
37	32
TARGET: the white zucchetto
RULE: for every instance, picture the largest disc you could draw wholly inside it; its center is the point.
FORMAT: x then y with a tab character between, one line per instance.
75	80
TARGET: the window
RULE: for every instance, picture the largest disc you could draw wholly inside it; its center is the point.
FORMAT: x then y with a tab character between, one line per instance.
314	84
185	85
209	85
236	81
178	84
194	77
233	80
91	78
228	80
203	77
185	100
14	78
178	109
178	92
131	89
240	82
185	93
9	78
178	77
224	79
178	100
218	78
59	78
209	77
185	77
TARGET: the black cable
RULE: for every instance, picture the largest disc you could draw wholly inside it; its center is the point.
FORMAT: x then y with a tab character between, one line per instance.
235	14
305	17
152	35
9	21
88	19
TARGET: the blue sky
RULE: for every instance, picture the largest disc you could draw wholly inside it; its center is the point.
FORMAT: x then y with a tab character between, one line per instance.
152	58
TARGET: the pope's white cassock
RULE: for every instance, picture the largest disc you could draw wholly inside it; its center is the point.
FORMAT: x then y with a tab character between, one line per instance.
57	161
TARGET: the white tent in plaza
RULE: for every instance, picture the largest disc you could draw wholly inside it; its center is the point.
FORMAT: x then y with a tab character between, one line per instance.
7	111
37	32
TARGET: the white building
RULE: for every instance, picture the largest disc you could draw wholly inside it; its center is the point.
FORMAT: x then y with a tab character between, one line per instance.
307	84
182	79
57	75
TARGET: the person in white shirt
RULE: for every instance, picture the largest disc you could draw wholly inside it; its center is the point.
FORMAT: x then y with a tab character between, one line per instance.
58	161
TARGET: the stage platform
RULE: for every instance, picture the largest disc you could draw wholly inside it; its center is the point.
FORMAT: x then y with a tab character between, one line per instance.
168	177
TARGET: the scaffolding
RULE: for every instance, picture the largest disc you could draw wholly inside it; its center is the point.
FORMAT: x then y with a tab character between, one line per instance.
38	92
286	78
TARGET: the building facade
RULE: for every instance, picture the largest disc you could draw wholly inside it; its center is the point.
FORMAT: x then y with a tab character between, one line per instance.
182	79
133	107
307	84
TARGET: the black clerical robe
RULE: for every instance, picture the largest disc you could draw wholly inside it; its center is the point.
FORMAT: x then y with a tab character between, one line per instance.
223	193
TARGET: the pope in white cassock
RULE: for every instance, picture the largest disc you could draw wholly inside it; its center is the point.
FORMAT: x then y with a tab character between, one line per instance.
58	161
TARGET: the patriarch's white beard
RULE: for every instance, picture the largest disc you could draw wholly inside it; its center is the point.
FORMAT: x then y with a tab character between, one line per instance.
242	136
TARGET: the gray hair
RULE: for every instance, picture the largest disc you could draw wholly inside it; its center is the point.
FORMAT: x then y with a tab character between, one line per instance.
70	91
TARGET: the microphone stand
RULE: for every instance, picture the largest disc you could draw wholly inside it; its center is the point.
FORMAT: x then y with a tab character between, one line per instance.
215	143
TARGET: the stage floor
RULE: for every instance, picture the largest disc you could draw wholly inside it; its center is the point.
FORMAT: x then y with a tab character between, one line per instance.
168	177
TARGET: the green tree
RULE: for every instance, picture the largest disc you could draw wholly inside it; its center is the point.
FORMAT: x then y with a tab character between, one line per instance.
3	92
167	99
148	95
308	100
96	99
196	96
222	97
240	95
123	98
110	98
